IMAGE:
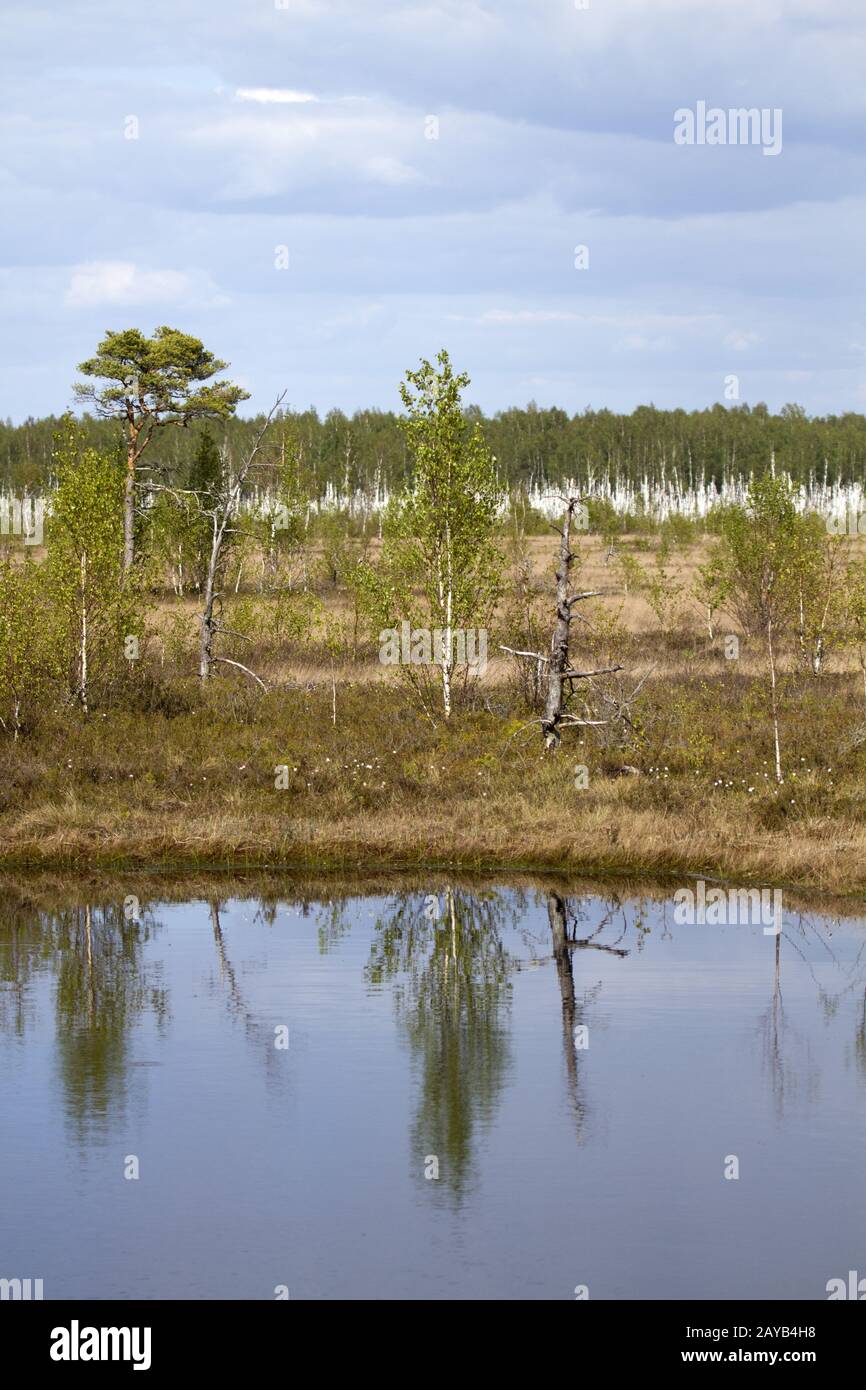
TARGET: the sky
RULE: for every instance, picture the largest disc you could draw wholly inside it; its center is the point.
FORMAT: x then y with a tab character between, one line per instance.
325	191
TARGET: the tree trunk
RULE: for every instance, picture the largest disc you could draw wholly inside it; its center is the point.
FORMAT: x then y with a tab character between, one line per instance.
129	502
557	916
559	658
556	913
207	618
818	655
82	686
773	699
448	638
220	518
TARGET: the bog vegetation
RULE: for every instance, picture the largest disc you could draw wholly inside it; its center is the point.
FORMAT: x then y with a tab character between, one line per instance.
191	663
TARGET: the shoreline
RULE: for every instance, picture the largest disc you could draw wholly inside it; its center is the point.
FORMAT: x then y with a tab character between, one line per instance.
825	864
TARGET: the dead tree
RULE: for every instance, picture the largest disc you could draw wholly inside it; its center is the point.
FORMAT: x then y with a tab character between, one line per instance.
561	675
557	916
222	512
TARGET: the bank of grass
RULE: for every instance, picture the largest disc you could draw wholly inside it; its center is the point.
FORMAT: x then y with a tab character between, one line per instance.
188	782
56	891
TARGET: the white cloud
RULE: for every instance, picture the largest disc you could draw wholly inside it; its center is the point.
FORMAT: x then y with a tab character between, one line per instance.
121	282
273	96
741	342
308	125
385	169
639	342
526	316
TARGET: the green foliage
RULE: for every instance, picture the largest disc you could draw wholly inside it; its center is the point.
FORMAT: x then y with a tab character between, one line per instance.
441	567
339	549
179	530
634	578
677	530
288	617
206	470
283	529
663	592
165	379
780	566
27	654
711	587
526	624
603	517
521	518
149	383
95	611
531	445
761	547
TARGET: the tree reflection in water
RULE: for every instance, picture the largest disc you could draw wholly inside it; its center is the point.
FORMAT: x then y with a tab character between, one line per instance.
102	987
786	1054
450	974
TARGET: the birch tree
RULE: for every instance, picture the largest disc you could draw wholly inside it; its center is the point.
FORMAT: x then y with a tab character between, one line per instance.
26	622
441	567
84	566
855	606
819	578
762	556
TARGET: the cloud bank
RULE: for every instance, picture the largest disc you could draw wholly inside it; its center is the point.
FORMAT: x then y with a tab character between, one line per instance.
502	179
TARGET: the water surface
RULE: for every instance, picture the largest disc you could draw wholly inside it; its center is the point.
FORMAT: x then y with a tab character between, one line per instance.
484	1094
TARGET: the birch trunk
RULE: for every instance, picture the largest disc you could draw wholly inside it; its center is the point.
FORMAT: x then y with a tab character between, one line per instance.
207	618
221	517
82	659
446	592
559	658
129	501
773	699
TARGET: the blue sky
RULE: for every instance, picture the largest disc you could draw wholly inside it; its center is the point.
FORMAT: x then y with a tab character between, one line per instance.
305	124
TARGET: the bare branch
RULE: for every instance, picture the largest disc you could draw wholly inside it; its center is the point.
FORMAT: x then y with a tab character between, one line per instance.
595	946
583	723
536	656
585	675
227	662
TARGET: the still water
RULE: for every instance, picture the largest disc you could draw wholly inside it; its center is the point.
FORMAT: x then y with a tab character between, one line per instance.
500	1093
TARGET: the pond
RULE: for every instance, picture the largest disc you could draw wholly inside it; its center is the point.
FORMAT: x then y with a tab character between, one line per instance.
505	1091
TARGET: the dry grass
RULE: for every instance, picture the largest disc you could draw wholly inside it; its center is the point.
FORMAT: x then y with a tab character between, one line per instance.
384	789
185	779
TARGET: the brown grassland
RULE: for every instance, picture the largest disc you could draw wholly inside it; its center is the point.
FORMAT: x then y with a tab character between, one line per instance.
183	778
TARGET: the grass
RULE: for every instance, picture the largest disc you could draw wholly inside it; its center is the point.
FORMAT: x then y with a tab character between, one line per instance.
384	788
55	891
185	779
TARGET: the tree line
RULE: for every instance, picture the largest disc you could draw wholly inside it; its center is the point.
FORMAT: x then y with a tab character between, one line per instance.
124	526
531	445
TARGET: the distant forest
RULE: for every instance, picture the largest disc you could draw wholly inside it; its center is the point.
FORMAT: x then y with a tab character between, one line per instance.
532	446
